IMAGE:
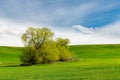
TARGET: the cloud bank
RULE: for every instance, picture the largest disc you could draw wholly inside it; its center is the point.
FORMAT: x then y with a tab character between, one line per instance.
78	34
109	34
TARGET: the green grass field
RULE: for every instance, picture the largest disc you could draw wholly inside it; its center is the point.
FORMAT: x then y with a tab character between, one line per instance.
93	62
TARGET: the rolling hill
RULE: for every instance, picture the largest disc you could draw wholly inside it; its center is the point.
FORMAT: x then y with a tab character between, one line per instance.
92	62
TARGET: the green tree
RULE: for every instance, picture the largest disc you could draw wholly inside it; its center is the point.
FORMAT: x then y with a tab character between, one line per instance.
40	47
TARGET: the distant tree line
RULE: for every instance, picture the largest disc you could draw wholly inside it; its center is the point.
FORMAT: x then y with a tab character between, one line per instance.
41	47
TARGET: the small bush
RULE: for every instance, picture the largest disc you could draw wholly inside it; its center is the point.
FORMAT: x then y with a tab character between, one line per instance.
65	55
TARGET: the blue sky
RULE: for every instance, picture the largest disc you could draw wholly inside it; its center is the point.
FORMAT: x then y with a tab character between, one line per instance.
96	19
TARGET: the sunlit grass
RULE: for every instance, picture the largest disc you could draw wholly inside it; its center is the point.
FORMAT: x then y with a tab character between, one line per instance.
98	62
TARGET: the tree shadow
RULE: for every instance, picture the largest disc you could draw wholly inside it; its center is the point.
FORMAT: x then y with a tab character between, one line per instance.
10	66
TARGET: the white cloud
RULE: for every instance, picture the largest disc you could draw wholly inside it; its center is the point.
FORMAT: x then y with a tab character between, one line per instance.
83	29
10	33
9	40
12	28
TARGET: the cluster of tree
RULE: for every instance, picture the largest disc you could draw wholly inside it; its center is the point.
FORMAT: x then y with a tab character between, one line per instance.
41	47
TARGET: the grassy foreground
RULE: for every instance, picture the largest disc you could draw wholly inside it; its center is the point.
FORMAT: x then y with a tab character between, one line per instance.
94	62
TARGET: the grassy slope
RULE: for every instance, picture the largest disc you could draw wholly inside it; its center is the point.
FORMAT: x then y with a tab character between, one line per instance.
10	54
97	62
97	51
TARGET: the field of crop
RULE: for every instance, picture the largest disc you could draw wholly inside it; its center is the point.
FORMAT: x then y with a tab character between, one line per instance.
92	62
